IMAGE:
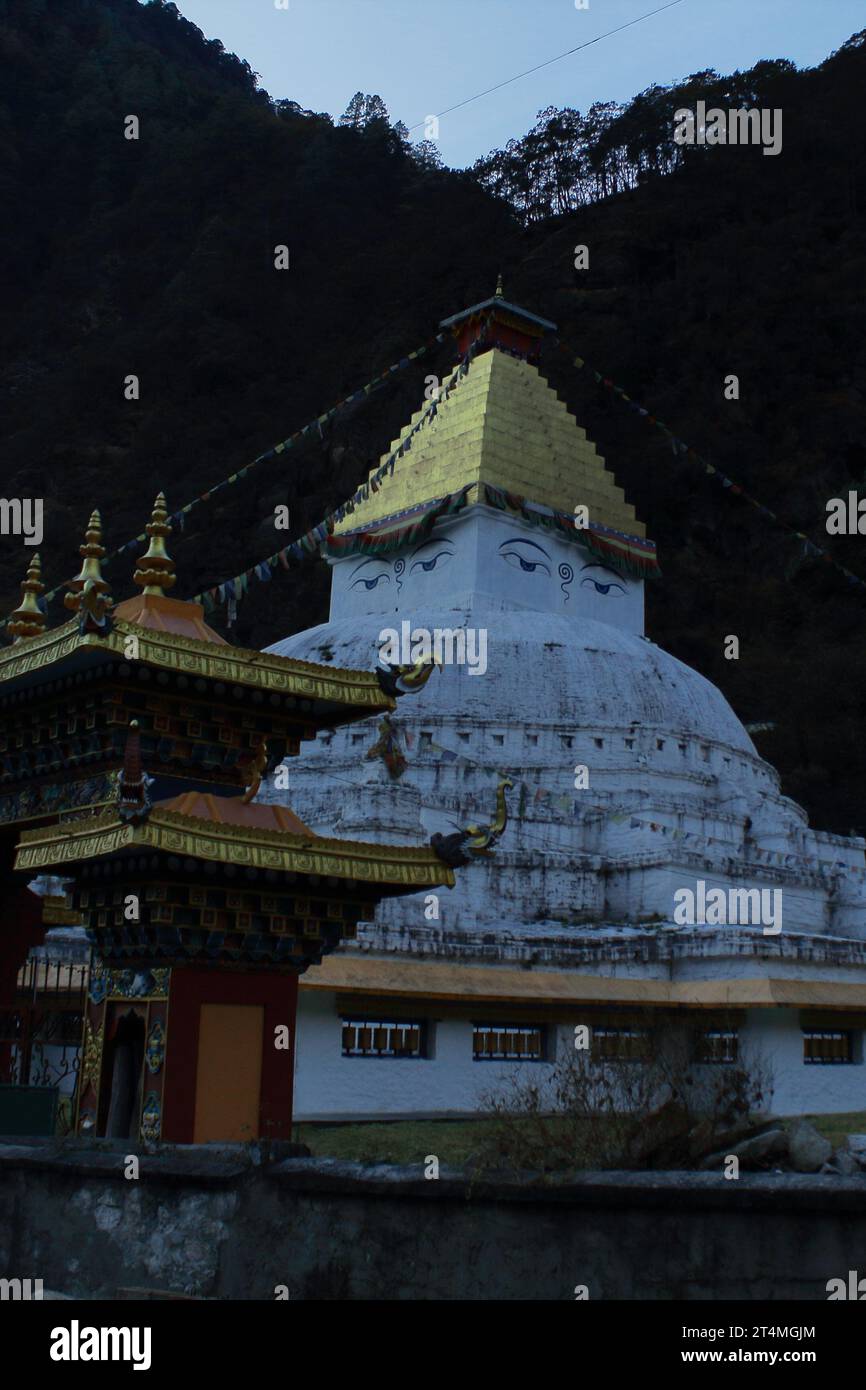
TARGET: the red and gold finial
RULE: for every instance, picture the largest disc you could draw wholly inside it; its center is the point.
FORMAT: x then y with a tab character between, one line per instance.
155	572
28	620
89	577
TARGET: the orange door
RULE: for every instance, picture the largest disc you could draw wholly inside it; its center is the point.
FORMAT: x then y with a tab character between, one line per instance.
229	1072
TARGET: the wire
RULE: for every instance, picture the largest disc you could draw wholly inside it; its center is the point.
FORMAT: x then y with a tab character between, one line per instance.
548	62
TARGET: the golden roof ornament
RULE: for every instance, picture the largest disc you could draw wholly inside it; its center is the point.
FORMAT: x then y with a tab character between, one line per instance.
457	849
89	585
28	620
499	290
155	572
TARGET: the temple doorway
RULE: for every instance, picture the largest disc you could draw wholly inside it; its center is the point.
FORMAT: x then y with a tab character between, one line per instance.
125	1068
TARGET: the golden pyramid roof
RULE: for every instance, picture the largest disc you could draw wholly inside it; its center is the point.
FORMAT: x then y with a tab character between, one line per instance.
501	424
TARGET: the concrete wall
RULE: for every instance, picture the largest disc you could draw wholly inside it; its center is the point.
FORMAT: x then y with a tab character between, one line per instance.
207	1221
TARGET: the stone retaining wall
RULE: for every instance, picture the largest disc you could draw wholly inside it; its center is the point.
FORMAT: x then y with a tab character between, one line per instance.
220	1221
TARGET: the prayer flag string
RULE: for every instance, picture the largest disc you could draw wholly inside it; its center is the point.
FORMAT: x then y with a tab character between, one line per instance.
682	450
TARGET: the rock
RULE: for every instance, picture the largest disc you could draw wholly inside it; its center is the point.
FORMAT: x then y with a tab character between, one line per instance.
751	1152
847	1163
856	1143
808	1149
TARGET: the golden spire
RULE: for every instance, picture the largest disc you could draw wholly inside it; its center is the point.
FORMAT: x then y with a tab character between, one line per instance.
92	553
28	620
498	294
155	572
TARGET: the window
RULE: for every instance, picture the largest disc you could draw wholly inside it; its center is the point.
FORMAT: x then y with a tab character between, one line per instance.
619	1044
718	1045
827	1046
366	1037
507	1042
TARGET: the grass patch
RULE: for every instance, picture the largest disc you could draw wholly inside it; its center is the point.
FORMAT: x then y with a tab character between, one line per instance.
458	1142
835	1127
401	1141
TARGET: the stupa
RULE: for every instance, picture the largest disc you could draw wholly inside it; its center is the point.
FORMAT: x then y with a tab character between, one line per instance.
502	544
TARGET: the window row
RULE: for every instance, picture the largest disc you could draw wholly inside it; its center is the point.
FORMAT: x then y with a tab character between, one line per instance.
521	1042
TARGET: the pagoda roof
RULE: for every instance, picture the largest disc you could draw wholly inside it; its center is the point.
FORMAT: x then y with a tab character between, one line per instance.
166	643
163	614
244	844
234	810
501	424
497	303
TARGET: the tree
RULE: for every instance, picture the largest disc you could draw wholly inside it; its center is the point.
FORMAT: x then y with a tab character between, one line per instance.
364	111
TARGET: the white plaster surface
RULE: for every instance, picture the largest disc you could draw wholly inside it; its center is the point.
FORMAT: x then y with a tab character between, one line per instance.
677	793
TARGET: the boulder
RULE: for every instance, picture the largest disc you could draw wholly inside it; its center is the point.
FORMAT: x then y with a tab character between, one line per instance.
846	1163
808	1150
752	1152
856	1143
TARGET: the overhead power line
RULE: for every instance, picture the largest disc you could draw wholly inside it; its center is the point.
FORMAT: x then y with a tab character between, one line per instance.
558	59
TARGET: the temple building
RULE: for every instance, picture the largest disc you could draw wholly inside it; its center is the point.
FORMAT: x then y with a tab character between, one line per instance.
133	739
651	864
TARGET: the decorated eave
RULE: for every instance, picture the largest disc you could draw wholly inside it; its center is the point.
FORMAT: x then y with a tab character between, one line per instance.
205	712
156	633
246	842
221	882
324	695
228	882
633	555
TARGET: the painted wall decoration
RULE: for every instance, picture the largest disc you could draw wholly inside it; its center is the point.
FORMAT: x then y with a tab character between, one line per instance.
490	555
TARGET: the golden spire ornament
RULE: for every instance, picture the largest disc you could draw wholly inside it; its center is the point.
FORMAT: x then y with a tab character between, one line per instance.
89	579
28	620
498	294
155	572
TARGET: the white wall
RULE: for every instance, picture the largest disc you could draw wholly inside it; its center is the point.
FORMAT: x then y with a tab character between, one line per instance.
330	1086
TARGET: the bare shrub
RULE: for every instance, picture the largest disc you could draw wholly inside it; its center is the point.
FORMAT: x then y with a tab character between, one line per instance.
659	1103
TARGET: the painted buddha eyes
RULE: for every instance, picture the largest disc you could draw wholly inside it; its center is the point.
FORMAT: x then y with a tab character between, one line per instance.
602	588
522	554
428	565
370	583
528	566
603	585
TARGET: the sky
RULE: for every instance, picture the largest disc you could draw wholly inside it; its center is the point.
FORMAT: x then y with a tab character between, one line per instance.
422	56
